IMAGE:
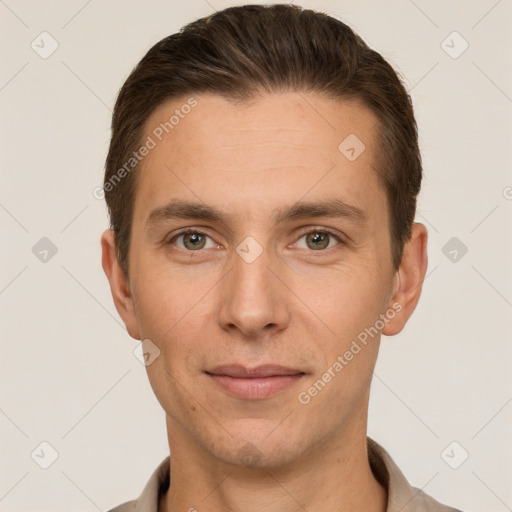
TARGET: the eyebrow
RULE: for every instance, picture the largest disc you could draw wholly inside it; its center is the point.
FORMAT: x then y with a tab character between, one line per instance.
333	208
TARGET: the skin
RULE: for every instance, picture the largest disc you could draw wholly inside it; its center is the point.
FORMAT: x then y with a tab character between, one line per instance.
295	305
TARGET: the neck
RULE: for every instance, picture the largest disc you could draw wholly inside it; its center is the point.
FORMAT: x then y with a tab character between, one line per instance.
333	476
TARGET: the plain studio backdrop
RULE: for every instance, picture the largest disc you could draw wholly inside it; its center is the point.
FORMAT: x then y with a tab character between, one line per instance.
72	387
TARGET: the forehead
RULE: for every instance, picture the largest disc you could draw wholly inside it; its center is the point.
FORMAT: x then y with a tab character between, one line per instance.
310	122
274	148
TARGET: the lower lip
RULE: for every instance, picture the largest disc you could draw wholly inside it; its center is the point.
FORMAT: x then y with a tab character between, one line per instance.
255	388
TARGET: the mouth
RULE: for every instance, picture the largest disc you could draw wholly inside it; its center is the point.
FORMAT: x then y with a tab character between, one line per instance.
254	383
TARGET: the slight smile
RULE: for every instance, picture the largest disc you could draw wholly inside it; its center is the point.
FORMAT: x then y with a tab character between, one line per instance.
254	383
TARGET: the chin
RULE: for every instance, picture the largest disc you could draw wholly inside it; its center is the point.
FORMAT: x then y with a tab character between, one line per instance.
256	450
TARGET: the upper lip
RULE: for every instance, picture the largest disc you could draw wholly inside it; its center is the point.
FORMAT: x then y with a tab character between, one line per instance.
242	372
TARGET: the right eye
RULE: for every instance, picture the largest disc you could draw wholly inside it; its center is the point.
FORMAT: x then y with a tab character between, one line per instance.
192	240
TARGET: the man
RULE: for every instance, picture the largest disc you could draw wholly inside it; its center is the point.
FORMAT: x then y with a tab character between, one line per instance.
261	183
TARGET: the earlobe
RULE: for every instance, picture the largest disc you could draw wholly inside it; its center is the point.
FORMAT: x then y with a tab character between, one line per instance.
408	280
119	284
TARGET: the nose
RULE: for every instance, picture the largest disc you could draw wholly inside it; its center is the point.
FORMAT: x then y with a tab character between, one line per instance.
254	300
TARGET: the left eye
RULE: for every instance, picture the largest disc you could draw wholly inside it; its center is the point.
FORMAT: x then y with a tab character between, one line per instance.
318	240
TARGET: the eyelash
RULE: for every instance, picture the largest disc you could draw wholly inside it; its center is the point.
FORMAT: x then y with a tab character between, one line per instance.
311	231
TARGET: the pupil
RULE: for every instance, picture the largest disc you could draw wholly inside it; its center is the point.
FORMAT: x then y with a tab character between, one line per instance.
317	238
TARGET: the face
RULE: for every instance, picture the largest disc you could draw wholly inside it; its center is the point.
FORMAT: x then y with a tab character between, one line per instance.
260	256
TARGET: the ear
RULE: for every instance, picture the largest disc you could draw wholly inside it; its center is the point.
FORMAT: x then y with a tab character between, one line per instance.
119	284
408	280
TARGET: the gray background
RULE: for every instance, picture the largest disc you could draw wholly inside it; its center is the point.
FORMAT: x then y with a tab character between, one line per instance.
69	376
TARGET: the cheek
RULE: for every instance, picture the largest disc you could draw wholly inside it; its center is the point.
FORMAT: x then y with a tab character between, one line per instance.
351	311
175	313
166	296
173	321
345	298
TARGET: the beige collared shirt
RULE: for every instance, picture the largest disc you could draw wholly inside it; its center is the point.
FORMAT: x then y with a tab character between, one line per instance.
402	497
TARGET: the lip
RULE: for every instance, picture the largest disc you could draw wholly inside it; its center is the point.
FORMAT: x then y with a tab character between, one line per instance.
254	383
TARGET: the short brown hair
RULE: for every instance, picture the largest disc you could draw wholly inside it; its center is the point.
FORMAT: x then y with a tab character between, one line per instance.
244	51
